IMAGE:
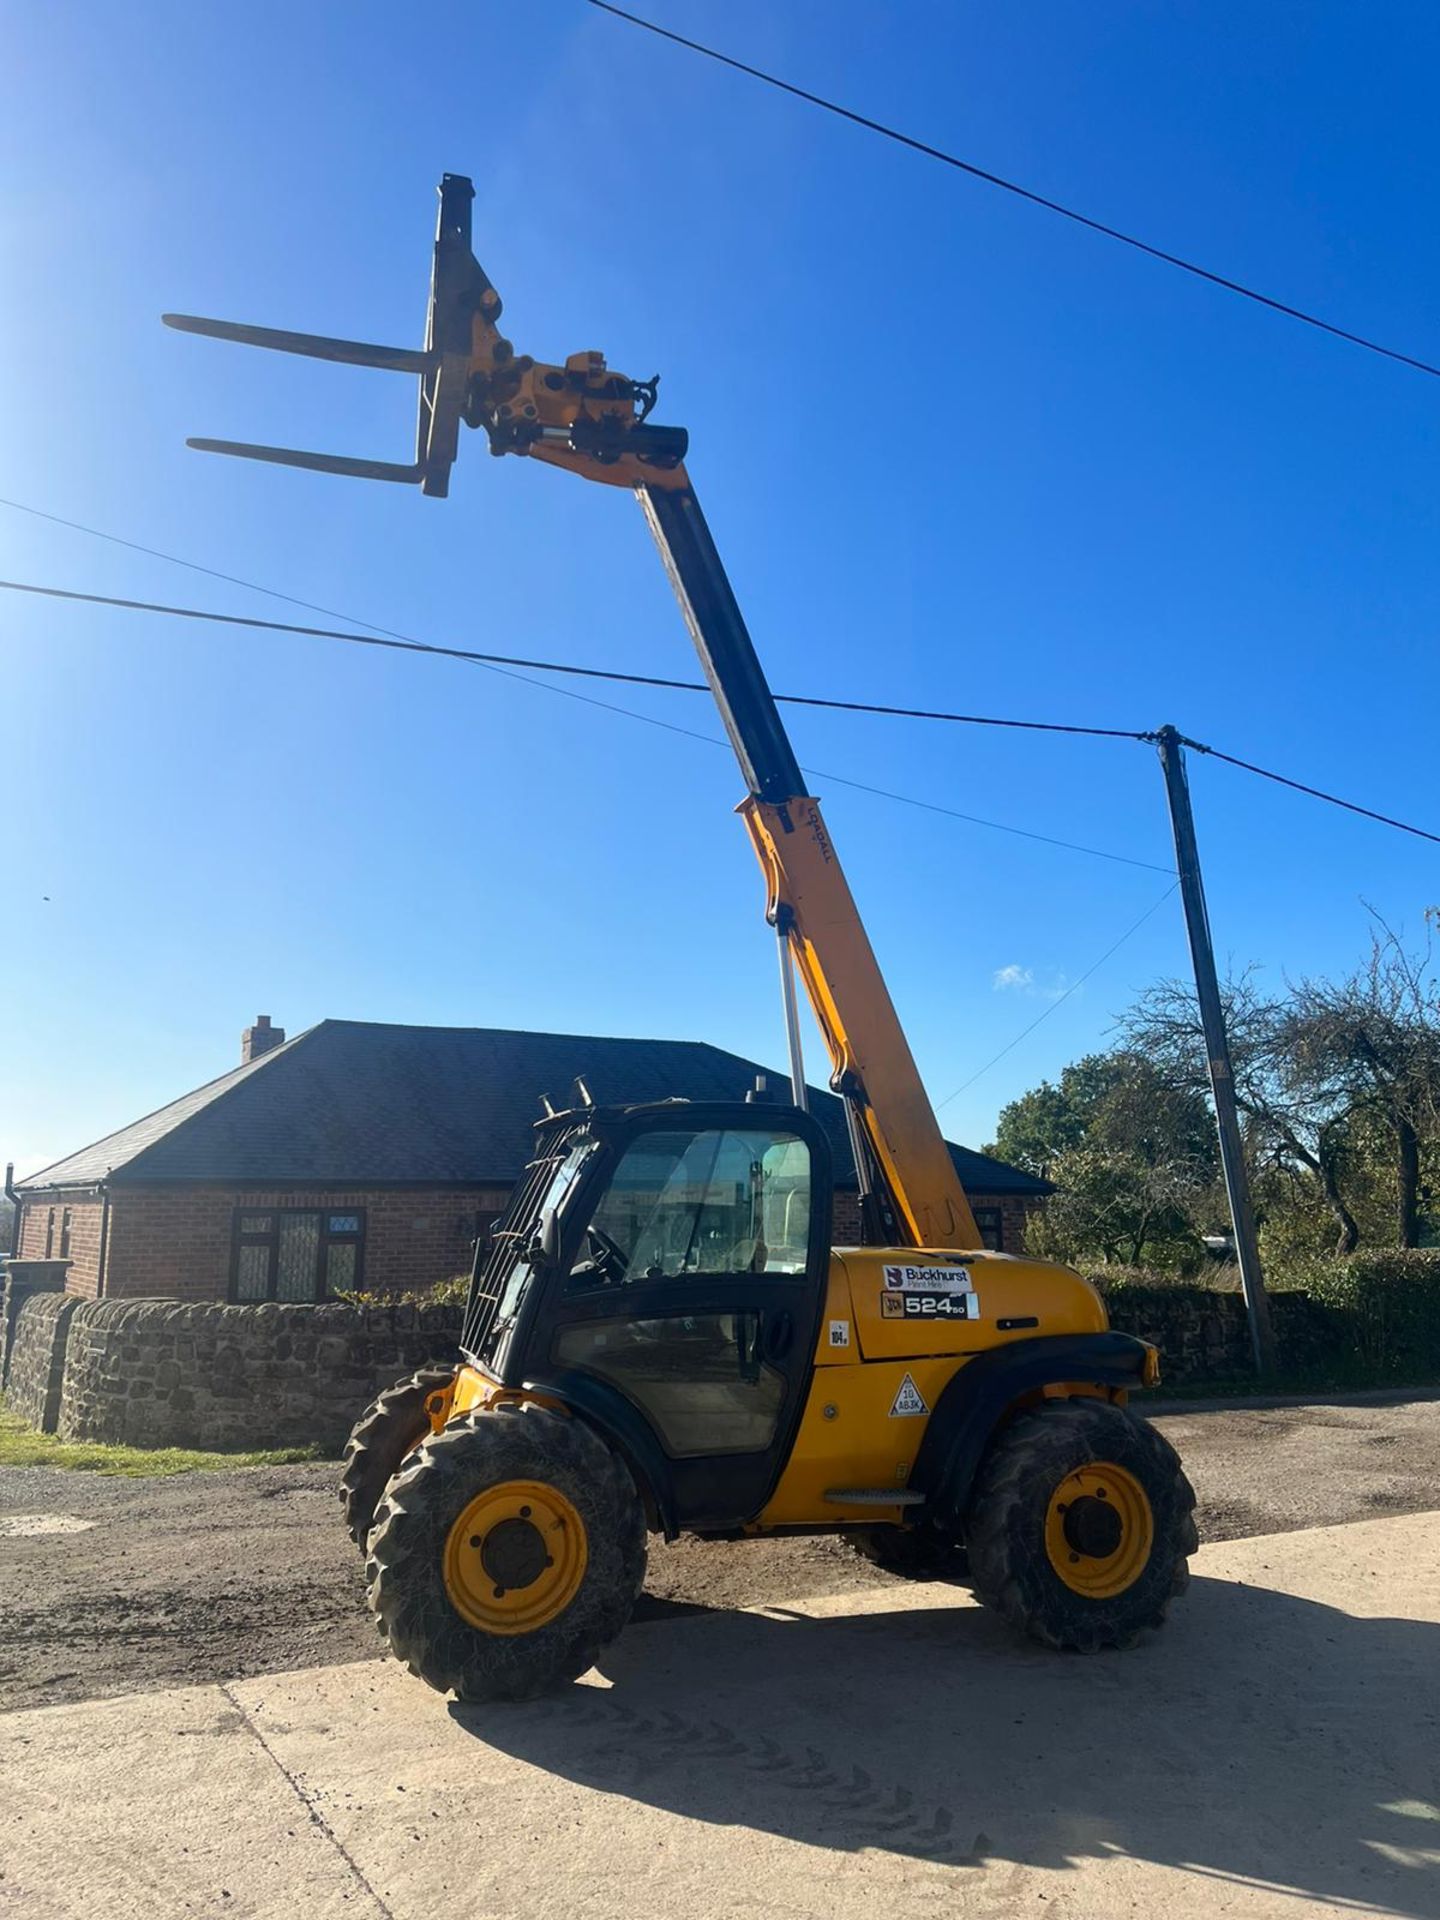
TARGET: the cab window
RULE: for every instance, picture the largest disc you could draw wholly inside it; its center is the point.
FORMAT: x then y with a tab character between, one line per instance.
715	1201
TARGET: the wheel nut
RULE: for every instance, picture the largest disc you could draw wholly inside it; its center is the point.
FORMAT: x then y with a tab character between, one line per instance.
474	1539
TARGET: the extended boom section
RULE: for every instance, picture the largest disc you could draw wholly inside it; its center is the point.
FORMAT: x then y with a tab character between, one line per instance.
809	899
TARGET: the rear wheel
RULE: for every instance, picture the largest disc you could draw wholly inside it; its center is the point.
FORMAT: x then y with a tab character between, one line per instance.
1080	1525
507	1554
390	1427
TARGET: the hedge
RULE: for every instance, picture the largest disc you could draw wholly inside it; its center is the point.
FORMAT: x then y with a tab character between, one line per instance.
1385	1305
1376	1314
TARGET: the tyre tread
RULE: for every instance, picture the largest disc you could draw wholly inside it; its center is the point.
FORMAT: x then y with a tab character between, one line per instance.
405	1590
378	1443
1008	1566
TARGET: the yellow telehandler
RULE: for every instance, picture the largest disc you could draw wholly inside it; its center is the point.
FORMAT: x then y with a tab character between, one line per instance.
659	1335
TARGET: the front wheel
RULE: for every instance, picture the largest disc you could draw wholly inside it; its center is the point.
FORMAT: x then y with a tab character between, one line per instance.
1080	1525
507	1554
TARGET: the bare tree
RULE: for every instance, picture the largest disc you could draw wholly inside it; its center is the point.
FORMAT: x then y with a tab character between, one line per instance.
1292	1121
1371	1043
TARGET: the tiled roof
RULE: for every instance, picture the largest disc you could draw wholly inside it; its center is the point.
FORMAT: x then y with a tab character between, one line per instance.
356	1103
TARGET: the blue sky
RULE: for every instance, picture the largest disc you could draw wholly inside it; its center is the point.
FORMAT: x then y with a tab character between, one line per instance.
955	451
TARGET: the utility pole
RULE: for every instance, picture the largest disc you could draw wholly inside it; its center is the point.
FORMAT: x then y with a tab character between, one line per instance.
1217	1047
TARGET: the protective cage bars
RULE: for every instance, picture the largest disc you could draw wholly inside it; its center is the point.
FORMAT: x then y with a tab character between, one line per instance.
509	1240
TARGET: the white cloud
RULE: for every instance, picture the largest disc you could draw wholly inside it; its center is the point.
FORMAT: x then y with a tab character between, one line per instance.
1013	978
1022	980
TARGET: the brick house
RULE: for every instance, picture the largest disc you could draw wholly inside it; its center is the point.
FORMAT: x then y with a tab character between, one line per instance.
363	1155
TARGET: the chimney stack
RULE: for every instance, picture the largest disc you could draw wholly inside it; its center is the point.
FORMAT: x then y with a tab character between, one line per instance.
260	1039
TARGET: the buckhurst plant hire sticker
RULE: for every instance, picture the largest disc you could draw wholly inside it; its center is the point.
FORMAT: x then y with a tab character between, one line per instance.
928	1280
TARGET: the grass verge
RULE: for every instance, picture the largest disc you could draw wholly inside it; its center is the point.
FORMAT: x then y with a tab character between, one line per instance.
21	1446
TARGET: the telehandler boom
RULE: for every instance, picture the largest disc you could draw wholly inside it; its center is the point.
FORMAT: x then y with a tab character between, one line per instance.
659	1334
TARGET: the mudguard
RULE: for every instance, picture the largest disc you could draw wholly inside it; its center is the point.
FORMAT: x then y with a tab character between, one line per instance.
977	1398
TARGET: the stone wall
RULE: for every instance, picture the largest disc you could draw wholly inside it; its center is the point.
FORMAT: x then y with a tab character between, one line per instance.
21	1280
36	1361
154	1373
1206	1336
160	1373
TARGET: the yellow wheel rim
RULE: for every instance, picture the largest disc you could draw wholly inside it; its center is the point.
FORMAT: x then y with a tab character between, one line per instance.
515	1558
1099	1530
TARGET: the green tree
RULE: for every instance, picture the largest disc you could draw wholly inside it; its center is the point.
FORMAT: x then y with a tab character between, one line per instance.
1133	1159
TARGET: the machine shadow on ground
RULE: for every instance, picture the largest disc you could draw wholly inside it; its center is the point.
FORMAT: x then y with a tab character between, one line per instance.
1260	1739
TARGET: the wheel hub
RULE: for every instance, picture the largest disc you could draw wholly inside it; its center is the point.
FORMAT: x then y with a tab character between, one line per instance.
1093	1527
1099	1530
513	1554
515	1557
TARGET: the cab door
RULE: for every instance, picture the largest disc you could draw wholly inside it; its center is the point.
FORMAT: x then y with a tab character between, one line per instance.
694	1292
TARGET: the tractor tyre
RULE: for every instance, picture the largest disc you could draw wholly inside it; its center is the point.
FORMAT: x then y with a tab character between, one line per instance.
912	1553
379	1441
506	1554
1080	1525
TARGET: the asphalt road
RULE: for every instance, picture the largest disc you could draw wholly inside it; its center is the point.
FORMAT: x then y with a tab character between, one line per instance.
215	1576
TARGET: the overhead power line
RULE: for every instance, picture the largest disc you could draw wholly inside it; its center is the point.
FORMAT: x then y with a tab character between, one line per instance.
1315	793
1058	1001
984	174
506	664
382	637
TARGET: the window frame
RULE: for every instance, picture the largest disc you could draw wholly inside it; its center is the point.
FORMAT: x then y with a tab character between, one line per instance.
575	1286
270	1239
993	1213
65	1226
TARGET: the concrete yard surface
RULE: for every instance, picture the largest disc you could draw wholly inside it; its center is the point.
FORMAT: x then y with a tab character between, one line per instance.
1275	1751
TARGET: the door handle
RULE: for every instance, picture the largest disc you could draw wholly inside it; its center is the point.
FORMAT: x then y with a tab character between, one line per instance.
777	1332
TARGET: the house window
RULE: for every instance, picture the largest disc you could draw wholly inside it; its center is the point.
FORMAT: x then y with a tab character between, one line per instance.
987	1219
65	1233
50	1234
295	1253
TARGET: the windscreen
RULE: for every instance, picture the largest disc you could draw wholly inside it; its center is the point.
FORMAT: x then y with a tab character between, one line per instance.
712	1201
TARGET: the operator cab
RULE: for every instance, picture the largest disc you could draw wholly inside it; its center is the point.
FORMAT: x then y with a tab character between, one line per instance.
663	1267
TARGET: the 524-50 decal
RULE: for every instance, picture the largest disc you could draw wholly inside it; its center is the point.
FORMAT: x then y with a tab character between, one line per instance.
929	1306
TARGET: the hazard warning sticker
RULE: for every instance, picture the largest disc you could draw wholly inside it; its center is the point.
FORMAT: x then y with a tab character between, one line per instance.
908	1402
928	1280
